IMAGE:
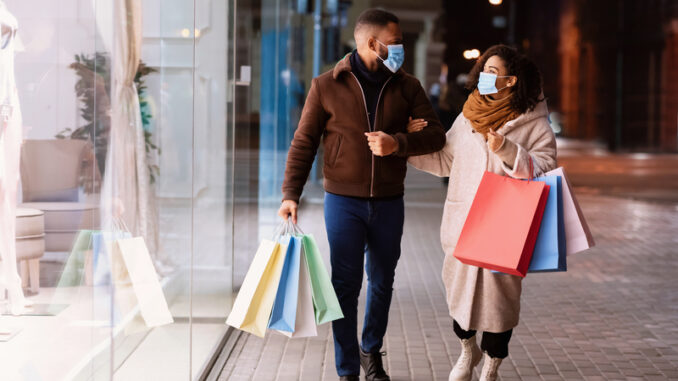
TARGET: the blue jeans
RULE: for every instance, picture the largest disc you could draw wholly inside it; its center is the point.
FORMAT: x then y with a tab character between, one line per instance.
356	227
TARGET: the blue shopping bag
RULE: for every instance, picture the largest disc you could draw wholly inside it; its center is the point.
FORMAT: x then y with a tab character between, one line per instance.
284	312
550	251
100	261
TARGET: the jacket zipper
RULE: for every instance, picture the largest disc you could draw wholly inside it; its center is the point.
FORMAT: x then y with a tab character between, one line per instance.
369	127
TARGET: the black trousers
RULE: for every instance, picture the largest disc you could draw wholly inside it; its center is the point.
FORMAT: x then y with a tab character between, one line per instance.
495	344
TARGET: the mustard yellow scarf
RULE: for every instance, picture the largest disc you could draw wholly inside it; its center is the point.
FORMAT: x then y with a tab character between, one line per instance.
487	114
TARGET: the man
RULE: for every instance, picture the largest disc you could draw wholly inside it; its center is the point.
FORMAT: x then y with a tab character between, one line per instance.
361	110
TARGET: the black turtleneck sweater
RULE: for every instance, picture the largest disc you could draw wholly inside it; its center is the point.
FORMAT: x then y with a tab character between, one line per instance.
371	82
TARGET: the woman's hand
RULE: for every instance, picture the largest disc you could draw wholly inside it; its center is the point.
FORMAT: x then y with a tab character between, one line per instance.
494	140
415	125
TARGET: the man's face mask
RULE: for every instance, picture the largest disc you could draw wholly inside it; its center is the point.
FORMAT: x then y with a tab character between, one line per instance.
396	56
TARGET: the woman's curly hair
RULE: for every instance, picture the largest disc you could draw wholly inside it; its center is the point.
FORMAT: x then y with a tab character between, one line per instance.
527	90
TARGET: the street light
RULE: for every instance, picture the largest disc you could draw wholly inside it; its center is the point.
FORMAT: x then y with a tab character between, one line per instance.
471	54
496	2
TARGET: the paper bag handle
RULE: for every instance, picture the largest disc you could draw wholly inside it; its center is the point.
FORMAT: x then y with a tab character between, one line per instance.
530	176
119	224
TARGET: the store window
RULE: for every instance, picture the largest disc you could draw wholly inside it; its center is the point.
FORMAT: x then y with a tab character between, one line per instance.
116	182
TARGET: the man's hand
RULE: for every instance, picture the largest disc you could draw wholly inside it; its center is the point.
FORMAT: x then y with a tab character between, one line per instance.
415	125
381	143
287	209
494	140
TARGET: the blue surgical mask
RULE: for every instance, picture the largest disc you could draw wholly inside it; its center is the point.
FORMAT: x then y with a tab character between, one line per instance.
487	83
396	56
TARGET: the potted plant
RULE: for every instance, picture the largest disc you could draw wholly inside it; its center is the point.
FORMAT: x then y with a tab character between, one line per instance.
93	89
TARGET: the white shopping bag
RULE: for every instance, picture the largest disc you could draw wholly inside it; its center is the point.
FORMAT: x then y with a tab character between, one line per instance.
578	236
136	282
304	325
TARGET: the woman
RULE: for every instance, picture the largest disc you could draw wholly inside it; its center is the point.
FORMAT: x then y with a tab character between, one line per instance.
502	127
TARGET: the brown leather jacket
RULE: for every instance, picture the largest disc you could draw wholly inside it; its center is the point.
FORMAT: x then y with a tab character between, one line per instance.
335	110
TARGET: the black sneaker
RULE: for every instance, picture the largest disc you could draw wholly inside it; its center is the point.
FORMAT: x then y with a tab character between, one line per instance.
349	378
373	366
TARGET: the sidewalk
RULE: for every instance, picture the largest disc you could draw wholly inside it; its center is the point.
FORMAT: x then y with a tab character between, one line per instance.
612	316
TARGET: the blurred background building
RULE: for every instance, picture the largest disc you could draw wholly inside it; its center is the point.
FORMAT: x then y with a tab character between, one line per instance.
609	66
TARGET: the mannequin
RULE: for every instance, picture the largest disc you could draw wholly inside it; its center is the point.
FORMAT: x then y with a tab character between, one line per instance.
10	146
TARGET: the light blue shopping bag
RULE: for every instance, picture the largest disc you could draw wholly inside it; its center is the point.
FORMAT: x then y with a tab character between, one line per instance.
284	312
550	251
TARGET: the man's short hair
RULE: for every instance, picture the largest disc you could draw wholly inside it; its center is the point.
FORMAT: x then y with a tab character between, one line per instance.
375	17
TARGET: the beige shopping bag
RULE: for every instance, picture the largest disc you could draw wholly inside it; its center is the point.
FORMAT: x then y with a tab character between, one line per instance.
136	282
578	236
253	305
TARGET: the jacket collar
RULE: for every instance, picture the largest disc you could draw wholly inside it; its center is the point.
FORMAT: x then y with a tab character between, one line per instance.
344	65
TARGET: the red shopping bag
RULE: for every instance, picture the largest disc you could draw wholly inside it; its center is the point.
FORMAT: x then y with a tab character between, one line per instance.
502	226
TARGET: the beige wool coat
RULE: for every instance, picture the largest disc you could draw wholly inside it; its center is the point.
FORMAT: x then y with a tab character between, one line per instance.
477	298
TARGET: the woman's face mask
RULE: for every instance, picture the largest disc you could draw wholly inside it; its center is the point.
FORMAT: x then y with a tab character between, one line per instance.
396	56
487	83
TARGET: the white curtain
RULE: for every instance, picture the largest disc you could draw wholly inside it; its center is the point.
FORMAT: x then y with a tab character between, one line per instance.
126	187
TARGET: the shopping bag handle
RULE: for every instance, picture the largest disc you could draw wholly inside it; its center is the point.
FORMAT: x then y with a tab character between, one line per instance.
119	224
287	227
291	228
530	177
296	229
280	230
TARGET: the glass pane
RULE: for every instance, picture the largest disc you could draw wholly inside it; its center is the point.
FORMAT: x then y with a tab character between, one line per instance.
246	135
56	84
211	268
167	108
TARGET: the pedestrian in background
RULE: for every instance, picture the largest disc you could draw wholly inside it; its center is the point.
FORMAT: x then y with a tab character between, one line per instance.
503	129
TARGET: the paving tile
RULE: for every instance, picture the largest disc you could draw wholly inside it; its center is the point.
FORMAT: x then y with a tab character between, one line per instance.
611	316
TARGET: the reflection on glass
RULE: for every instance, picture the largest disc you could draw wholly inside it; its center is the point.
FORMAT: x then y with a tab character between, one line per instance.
123	225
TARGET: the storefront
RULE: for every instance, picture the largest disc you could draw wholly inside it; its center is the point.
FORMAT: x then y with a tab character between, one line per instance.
149	139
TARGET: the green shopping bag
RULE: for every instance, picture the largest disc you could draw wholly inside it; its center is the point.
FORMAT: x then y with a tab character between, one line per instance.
325	302
75	273
76	265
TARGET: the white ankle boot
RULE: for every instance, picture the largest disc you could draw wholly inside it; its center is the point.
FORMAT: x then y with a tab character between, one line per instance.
490	368
469	358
